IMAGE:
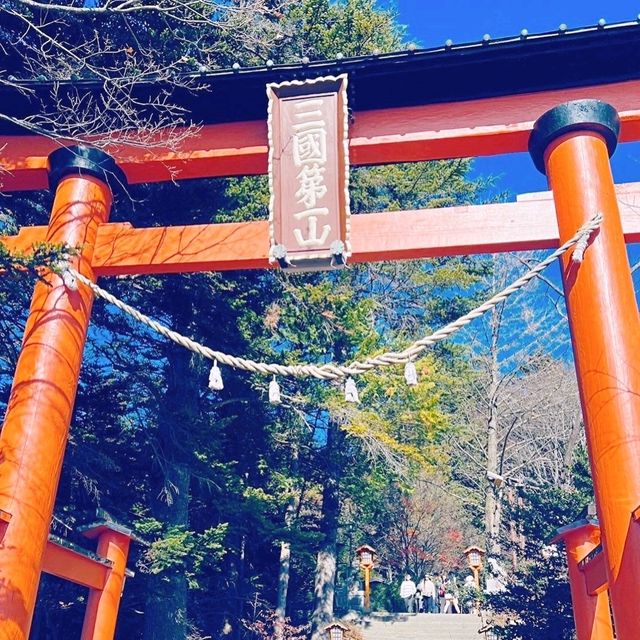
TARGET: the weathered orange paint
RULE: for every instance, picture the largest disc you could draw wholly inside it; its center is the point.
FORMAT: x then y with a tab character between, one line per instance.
430	132
527	225
605	331
590	611
74	566
123	249
36	425
101	615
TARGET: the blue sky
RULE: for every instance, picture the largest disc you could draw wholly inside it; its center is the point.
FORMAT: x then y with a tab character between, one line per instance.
431	23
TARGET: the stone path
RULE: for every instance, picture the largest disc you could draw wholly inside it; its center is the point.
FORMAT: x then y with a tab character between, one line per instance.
422	626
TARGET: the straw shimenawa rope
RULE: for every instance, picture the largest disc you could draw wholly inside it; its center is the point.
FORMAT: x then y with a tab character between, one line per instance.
334	371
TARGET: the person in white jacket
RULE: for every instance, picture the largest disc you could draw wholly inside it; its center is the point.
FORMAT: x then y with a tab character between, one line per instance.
428	590
408	592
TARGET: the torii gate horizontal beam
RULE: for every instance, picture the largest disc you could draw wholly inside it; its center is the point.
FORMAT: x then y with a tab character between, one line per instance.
74	565
526	225
595	574
474	128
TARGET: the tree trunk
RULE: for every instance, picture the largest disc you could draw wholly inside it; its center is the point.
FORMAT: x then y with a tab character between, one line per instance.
569	453
166	606
283	574
283	587
240	589
285	558
325	576
493	492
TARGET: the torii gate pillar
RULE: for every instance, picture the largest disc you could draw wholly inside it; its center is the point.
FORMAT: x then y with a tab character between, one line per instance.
590	611
35	430
571	144
101	615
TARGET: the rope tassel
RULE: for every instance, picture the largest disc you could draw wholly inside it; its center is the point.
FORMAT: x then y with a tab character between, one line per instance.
70	281
351	391
215	378
581	246
274	392
578	251
68	275
410	374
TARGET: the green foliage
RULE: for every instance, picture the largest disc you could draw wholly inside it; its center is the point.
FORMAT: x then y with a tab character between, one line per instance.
420	185
405	421
541	600
471	597
352	27
43	256
385	596
186	551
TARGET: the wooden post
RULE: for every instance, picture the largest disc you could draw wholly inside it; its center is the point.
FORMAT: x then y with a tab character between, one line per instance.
590	611
101	615
36	424
367	588
571	144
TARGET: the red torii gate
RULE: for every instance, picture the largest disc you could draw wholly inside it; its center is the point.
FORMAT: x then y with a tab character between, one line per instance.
587	579
571	144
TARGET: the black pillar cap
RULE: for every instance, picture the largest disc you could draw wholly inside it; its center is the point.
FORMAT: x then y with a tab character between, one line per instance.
84	160
577	115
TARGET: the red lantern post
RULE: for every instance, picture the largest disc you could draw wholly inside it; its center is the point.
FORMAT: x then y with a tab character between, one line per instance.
366	557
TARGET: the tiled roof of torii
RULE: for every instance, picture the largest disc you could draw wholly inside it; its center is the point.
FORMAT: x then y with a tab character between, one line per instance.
452	72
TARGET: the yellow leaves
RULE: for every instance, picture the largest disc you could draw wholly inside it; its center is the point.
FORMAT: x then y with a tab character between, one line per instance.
357	428
424	370
397	424
391	436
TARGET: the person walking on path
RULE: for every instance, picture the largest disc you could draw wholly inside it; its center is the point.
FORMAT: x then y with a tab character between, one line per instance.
428	590
407	592
441	593
451	602
417	599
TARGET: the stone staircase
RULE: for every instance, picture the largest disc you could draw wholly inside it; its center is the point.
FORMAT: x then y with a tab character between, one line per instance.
421	626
